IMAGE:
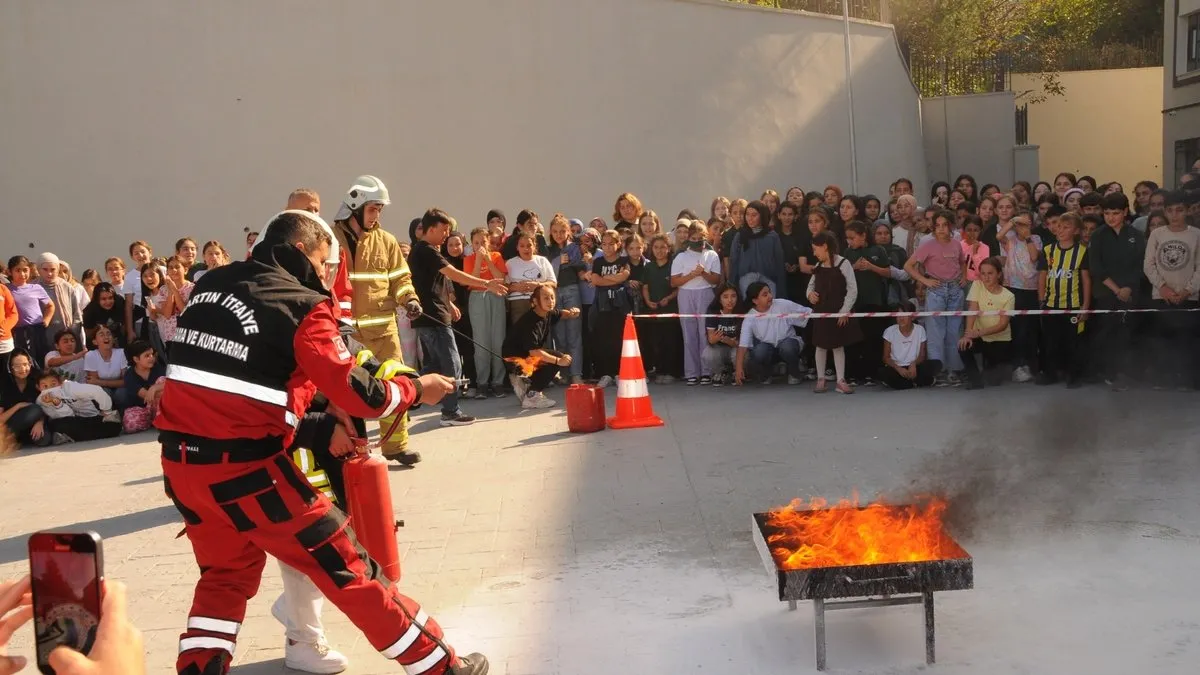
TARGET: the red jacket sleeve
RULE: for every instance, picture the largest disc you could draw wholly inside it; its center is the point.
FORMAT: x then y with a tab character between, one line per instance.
8	313
322	357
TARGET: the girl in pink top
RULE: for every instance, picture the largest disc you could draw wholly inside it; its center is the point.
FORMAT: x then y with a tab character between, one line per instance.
975	250
940	265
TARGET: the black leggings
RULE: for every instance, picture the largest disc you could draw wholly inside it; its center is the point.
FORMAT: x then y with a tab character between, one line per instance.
925	373
85	428
606	338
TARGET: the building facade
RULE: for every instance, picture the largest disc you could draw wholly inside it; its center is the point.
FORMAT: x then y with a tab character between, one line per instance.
1181	88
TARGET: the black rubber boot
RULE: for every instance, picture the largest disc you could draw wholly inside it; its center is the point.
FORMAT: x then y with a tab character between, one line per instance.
472	664
407	458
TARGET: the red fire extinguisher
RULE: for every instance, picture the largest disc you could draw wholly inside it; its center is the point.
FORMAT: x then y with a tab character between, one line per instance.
370	508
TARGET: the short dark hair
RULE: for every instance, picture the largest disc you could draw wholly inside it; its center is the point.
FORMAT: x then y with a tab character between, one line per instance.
296	228
973	220
59	335
969	206
178	243
1174	197
1115	201
434	217
1091	199
857	227
496	213
686	213
1056	211
413	226
136	349
1096	221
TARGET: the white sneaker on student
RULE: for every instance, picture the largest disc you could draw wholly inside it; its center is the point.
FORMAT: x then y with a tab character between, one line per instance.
536	400
314	658
308	657
1022	374
605	381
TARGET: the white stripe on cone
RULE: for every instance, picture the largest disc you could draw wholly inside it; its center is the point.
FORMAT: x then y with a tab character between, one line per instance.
629	349
632	388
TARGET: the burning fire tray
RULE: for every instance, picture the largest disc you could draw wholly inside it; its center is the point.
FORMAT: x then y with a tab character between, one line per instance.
878	583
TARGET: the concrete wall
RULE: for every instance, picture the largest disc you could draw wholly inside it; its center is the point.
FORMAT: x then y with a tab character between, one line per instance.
156	118
1107	125
970	134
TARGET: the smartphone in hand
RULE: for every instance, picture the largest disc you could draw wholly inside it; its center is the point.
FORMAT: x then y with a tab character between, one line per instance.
68	572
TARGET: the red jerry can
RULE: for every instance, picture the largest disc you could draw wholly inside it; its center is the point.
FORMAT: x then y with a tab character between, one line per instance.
370	510
585	409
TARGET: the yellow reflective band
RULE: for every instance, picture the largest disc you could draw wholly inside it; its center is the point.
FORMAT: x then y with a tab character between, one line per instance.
397	272
406	289
376	320
368	276
363	356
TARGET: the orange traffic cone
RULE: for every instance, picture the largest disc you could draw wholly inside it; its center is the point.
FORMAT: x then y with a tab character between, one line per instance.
633	396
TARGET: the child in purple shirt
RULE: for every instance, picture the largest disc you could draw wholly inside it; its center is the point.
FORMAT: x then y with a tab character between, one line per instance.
35	309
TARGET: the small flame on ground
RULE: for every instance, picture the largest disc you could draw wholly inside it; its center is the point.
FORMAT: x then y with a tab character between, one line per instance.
819	535
527	365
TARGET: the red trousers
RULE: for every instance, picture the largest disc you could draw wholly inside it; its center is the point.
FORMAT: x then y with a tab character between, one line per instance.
237	513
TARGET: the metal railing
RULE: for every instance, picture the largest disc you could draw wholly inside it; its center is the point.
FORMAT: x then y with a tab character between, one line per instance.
1022	124
958	76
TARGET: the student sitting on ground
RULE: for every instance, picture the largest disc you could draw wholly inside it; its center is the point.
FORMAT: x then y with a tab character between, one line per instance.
528	338
77	411
987	335
904	353
66	357
144	381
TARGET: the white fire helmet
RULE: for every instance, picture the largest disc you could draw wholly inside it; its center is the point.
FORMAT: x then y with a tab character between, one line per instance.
364	190
334	250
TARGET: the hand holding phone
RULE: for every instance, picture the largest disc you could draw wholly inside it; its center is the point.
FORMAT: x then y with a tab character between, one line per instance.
67	571
118	649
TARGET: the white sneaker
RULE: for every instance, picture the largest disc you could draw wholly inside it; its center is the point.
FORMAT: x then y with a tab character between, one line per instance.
794	380
1022	374
536	400
606	381
308	658
313	658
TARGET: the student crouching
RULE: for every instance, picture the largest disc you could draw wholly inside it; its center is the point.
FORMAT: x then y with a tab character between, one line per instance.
528	338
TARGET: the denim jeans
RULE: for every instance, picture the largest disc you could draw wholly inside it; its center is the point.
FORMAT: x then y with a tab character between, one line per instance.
441	356
943	331
22	422
568	333
764	355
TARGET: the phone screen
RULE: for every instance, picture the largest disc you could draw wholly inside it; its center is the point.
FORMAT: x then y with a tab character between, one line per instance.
66	597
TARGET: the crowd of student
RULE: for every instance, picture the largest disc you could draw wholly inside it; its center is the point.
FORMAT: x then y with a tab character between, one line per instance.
82	357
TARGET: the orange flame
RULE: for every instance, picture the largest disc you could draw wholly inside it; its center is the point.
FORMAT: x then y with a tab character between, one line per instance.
817	535
527	365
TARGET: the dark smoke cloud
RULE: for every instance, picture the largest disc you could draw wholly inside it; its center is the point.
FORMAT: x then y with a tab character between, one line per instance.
1045	463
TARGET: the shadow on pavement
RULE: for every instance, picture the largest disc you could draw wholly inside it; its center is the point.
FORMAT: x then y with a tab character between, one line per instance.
14	548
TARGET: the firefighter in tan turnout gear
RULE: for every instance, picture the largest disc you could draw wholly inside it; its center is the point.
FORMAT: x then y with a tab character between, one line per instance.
380	284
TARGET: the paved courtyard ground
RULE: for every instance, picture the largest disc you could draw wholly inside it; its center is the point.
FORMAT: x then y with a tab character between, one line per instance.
630	552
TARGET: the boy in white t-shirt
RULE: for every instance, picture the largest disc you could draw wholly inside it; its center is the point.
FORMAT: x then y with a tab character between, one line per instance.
904	354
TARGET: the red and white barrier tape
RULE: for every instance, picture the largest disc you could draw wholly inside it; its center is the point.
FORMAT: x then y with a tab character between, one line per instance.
962	312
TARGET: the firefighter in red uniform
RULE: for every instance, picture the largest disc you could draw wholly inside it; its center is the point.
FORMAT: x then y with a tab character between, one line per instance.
257	340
